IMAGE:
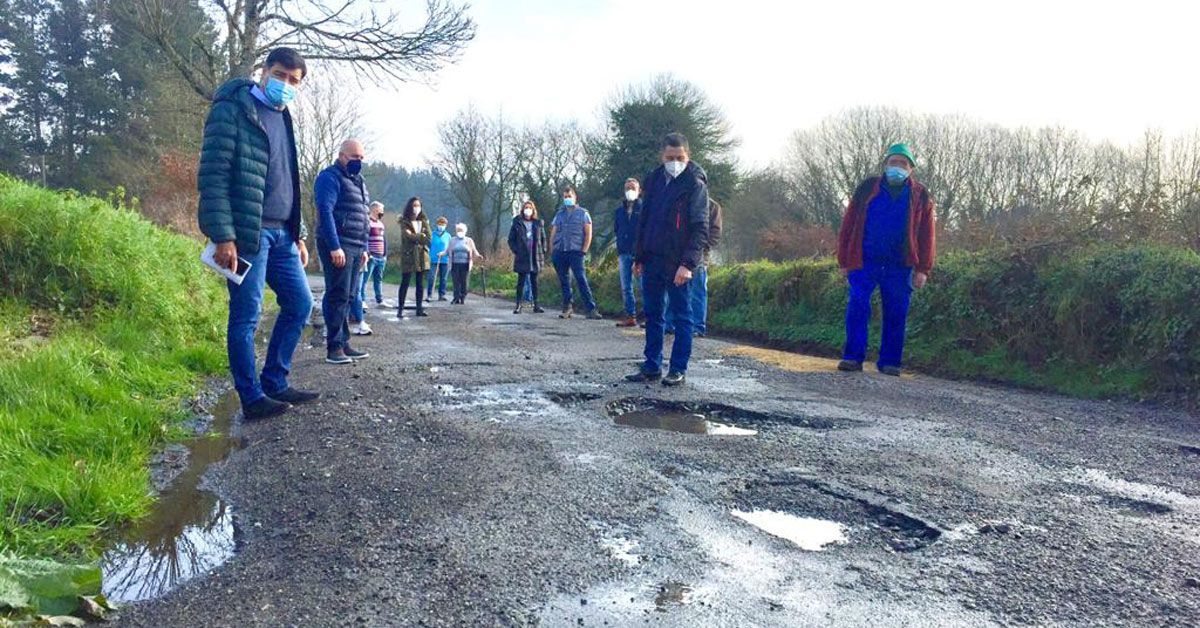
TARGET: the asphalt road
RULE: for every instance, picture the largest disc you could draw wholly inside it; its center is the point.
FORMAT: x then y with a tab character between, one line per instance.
471	472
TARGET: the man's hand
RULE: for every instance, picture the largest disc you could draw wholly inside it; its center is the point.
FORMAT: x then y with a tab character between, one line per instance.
683	275
303	253
363	262
226	256
338	258
919	280
637	269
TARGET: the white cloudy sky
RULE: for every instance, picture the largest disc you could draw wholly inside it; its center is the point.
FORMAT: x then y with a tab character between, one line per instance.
1109	69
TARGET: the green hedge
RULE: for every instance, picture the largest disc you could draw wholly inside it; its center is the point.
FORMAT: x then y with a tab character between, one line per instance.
106	321
1094	322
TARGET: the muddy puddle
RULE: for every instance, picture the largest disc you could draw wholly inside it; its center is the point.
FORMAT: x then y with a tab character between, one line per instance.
711	419
190	531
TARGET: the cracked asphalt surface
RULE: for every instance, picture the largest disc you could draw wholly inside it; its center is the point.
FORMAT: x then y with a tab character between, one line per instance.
471	473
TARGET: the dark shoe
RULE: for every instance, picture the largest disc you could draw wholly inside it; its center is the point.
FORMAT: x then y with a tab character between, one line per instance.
265	408
441	297
567	312
295	397
421	313
674	379
849	365
628	322
595	315
518	309
699	334
642	376
894	371
354	354
537	309
338	357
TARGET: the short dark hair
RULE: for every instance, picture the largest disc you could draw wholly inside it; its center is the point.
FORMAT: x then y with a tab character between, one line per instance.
675	140
570	188
288	58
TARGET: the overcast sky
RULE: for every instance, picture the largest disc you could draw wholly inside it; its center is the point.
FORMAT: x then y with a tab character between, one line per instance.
1109	69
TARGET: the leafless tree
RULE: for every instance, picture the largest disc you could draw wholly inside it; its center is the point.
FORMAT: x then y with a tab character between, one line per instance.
463	160
381	42
325	115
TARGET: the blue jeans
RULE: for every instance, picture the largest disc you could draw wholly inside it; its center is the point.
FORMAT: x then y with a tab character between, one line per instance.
527	292
895	288
439	270
660	293
567	263
374	273
276	264
699	302
356	295
628	282
336	304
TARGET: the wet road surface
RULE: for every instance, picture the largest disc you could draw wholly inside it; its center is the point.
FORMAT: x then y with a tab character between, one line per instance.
483	468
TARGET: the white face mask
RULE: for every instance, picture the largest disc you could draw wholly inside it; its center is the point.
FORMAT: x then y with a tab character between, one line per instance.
527	212
416	210
461	234
675	168
631	195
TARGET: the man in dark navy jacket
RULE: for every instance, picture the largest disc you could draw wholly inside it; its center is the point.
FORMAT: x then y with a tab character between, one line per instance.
625	220
672	234
342	230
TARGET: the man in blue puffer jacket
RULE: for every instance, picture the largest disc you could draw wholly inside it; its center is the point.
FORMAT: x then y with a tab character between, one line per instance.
249	186
342	228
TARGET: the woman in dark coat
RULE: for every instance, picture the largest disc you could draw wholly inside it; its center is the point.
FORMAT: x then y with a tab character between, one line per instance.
527	241
414	253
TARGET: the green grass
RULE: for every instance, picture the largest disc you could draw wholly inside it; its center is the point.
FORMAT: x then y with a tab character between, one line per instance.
106	322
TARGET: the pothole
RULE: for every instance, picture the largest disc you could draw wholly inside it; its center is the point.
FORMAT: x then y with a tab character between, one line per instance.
1135	506
900	528
672	594
190	531
807	533
708	418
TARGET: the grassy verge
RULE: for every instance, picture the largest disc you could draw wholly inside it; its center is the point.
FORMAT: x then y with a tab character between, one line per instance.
105	323
1094	322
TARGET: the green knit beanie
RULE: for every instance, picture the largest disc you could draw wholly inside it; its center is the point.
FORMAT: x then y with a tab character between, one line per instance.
901	149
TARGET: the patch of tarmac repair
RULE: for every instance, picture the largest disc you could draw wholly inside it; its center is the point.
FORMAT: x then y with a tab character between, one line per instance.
789	361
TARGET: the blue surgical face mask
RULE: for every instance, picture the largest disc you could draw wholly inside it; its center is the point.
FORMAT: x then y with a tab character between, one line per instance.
568	202
895	174
441	229
279	93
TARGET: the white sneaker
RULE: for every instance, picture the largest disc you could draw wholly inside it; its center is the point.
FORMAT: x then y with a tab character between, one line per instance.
363	329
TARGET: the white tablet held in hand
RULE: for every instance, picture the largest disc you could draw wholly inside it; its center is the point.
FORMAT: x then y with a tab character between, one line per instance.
208	257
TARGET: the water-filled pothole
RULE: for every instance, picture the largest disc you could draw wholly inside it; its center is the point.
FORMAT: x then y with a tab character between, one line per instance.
671	594
806	533
190	531
707	418
900	528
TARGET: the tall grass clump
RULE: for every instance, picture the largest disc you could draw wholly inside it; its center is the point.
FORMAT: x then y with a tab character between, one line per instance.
106	321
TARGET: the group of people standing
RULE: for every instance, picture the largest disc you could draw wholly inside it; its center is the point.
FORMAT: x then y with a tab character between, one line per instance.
665	230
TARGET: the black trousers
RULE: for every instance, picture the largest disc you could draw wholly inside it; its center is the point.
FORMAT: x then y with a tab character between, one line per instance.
419	284
522	278
460	274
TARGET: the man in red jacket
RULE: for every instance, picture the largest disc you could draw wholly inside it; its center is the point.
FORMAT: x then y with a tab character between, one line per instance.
886	242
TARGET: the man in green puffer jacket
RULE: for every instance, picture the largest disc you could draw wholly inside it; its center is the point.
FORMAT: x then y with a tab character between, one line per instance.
249	184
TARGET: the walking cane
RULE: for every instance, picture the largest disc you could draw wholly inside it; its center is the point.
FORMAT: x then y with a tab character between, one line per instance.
485	282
